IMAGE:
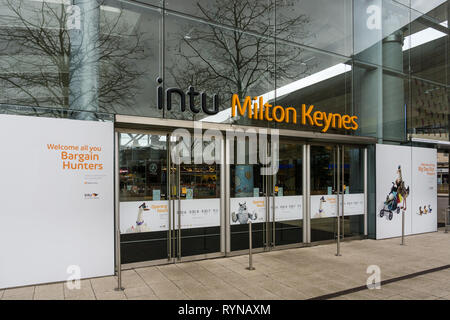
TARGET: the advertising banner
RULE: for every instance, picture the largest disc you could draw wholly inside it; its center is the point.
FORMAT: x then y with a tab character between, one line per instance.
325	206
424	194
406	182
57	208
244	209
287	208
394	187
150	216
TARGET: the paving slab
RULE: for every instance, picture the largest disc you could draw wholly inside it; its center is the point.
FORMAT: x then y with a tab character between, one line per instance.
298	273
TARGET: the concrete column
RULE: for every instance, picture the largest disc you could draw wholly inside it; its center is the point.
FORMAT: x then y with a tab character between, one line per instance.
394	113
84	56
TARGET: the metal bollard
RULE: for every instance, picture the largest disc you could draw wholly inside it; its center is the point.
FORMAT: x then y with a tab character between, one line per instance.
403	227
447	214
250	247
119	266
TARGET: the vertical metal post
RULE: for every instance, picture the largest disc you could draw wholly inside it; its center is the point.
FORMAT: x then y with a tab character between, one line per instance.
222	196
169	196
338	166
305	194
117	212
365	193
343	190
403	227
227	197
308	193
446	219
273	209
179	209
250	247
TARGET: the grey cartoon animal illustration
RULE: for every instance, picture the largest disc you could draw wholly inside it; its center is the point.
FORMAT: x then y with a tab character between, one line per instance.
243	216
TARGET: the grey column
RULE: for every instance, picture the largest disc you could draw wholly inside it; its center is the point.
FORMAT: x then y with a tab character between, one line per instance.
394	121
84	56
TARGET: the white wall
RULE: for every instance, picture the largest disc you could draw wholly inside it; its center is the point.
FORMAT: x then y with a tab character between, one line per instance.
49	218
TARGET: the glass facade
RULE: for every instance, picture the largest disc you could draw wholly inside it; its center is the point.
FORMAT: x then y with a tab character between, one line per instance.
384	61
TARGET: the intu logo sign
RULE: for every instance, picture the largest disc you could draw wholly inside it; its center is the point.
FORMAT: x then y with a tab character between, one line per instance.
185	99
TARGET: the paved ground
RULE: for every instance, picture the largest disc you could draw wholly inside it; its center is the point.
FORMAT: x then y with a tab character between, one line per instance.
286	274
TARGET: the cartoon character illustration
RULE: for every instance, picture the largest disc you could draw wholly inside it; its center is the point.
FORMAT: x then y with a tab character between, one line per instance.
140	225
321	213
425	210
243	216
396	199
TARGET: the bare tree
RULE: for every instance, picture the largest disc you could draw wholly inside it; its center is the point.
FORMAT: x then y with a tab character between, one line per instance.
240	59
37	53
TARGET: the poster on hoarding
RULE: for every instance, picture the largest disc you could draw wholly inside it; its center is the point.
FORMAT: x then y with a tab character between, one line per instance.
151	216
57	199
424	194
394	188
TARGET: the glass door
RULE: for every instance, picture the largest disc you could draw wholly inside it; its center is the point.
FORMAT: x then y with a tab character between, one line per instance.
168	210
286	203
337	188
143	196
273	203
249	190
197	204
352	158
324	205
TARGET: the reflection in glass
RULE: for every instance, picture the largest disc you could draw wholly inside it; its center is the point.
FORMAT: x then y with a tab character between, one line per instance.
80	57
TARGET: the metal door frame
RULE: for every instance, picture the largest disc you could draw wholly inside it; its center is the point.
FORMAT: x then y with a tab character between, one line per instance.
136	124
338	173
173	232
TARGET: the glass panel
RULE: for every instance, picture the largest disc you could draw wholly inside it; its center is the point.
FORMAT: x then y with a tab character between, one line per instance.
248	189
429	38
353	224
254	16
288	195
311	78
90	57
426	6
130	59
429	110
218	62
200	205
144	215
323	187
320	24
381	32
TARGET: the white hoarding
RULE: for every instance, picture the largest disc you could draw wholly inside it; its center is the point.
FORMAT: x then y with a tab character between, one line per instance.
393	166
406	182
424	192
149	216
56	208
